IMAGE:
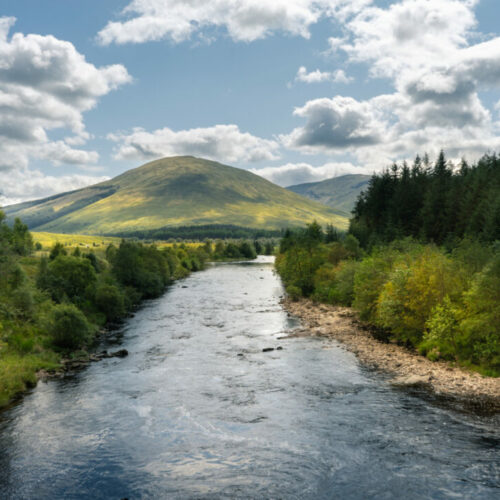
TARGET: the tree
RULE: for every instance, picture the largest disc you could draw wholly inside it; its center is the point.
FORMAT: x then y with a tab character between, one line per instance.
67	277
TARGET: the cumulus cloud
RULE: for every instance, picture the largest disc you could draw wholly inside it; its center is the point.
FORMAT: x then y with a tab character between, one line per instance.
425	49
23	185
46	84
317	76
224	143
409	34
244	20
336	124
299	173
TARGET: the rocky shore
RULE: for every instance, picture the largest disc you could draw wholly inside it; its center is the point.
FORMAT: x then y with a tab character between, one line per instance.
406	368
72	364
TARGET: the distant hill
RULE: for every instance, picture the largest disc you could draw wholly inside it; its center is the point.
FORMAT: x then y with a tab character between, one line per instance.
171	192
339	193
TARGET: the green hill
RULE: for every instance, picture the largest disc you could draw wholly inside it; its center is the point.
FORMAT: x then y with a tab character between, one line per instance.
339	193
177	191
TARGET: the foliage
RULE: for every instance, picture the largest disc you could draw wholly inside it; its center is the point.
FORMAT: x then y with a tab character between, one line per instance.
441	203
110	300
58	300
198	233
69	328
67	277
445	303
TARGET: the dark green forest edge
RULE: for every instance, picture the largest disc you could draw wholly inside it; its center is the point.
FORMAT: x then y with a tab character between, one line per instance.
56	306
420	262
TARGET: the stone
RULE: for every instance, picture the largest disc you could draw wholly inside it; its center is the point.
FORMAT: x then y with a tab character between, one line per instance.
119	354
411	380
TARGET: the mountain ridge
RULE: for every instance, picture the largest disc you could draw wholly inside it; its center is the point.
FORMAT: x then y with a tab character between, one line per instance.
175	191
339	193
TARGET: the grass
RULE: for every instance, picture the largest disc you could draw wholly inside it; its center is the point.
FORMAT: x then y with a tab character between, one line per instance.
177	191
18	372
47	240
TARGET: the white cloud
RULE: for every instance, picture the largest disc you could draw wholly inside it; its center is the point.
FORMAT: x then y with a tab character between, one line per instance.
336	124
317	76
244	20
425	49
23	185
410	34
225	143
45	84
299	173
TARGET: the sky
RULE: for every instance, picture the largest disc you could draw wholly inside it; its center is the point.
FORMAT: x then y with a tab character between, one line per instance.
293	90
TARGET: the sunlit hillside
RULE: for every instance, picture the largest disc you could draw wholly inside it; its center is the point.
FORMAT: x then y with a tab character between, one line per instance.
177	191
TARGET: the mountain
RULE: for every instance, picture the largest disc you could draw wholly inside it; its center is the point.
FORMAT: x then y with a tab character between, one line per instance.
339	193
177	191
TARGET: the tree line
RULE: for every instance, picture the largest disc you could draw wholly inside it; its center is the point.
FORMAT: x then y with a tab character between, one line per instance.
56	305
441	202
420	262
200	233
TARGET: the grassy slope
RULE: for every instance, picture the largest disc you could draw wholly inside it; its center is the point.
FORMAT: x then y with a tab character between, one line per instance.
47	240
174	191
339	192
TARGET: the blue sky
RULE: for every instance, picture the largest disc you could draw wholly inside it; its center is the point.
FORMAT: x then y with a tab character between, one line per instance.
89	89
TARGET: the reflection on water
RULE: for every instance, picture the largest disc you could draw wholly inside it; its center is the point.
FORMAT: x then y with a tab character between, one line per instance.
197	410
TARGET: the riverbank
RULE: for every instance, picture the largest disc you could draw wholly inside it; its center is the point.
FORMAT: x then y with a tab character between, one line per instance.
407	368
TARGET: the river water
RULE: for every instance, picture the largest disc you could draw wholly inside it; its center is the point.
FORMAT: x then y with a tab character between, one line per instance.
197	410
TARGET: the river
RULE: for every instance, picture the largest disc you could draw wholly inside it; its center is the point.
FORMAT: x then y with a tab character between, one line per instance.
197	410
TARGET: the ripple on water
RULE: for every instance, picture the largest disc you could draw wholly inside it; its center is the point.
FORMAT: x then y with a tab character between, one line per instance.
183	416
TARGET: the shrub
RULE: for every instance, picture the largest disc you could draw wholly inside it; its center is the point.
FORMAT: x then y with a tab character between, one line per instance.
442	334
22	299
371	275
69	327
413	290
57	250
110	300
324	281
343	290
294	292
481	323
67	276
247	250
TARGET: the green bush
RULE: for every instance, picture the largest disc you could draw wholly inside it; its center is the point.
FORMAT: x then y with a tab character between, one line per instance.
294	292
442	335
343	290
69	327
371	275
481	323
67	277
23	301
110	300
413	290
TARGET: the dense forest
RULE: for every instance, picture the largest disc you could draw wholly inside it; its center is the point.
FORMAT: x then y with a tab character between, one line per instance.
440	203
421	261
53	304
200	233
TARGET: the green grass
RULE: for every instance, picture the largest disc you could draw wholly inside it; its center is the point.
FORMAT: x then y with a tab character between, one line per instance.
47	240
176	191
18	372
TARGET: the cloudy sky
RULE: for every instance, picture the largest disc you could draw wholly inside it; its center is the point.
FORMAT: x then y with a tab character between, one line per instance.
295	90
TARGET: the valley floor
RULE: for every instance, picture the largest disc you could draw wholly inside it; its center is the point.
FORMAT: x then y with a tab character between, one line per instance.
406	367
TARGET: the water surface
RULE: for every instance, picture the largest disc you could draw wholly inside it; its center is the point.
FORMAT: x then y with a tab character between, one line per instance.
197	410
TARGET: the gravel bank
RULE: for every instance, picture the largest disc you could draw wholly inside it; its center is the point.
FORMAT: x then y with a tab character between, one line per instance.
407	368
